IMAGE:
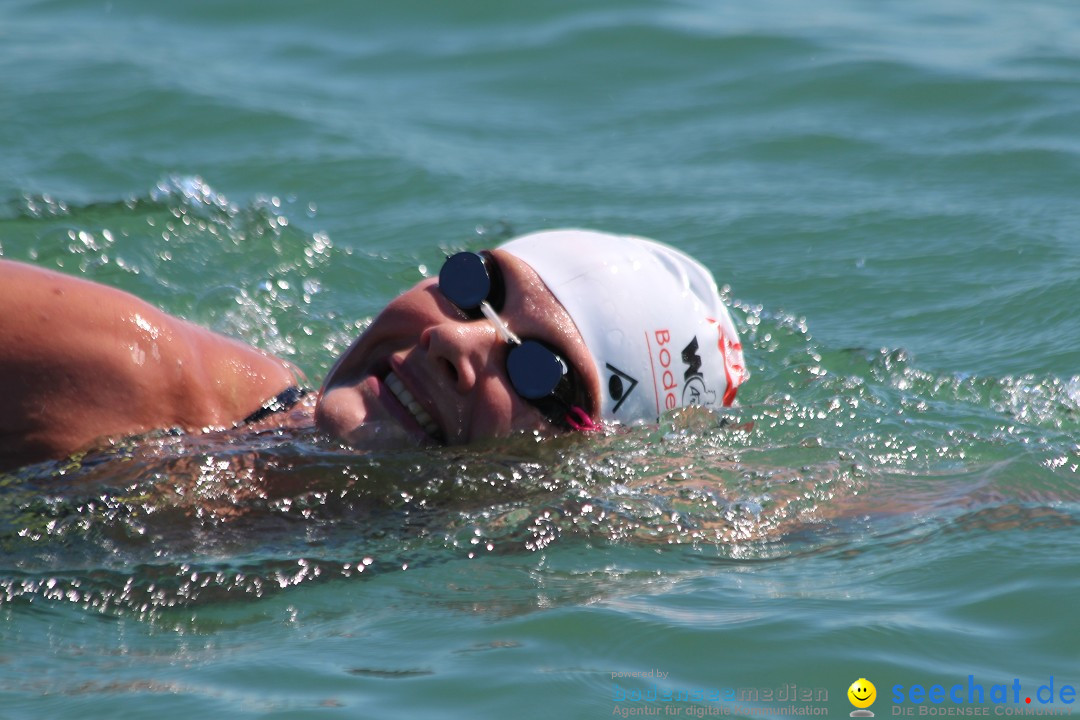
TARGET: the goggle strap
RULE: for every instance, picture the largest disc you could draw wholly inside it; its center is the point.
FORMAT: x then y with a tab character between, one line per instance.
504	332
579	420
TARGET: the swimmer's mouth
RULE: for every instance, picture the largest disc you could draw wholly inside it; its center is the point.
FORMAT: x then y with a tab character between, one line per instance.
422	417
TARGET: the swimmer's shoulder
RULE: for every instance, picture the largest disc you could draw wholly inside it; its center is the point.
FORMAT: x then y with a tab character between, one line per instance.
80	361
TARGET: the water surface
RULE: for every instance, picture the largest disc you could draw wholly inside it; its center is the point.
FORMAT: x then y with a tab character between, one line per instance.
888	194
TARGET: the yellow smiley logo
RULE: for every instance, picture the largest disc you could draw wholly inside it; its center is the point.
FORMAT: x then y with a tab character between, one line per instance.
862	693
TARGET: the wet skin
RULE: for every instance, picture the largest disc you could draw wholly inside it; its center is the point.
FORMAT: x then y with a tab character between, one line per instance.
452	365
82	363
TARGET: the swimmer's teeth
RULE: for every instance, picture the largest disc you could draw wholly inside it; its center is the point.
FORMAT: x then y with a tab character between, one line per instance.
406	398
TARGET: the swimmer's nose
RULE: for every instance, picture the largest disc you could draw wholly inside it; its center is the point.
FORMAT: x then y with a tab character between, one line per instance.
461	351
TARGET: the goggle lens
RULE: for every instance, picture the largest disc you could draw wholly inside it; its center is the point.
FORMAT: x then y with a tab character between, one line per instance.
465	281
536	371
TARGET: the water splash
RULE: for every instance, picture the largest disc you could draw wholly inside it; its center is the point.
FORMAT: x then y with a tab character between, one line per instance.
827	448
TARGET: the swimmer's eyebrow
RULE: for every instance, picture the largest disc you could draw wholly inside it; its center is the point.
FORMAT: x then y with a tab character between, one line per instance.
510	286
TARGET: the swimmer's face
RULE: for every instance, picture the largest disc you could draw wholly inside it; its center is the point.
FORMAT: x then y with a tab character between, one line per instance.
453	367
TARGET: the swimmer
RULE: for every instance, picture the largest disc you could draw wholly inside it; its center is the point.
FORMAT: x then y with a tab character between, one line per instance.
561	330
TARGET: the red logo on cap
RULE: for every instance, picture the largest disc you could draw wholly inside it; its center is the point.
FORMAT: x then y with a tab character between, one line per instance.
734	370
667	382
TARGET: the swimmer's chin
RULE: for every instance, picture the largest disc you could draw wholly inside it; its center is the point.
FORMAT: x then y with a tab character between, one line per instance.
346	417
381	435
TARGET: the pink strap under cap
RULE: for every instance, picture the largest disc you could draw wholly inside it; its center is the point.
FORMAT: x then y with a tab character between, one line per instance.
580	420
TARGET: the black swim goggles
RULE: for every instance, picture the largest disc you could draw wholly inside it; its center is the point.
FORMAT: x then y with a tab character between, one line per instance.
474	284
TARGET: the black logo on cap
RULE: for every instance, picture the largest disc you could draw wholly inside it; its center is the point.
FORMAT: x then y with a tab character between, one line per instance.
694	390
616	388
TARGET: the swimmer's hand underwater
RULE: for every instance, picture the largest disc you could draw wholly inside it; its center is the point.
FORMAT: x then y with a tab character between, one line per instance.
557	330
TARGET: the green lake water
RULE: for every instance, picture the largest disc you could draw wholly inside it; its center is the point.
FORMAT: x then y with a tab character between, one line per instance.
888	193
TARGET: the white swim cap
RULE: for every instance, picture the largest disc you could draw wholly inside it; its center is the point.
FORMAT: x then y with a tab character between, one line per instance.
650	315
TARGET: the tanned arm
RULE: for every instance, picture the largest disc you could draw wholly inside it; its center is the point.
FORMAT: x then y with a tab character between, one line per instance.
81	361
